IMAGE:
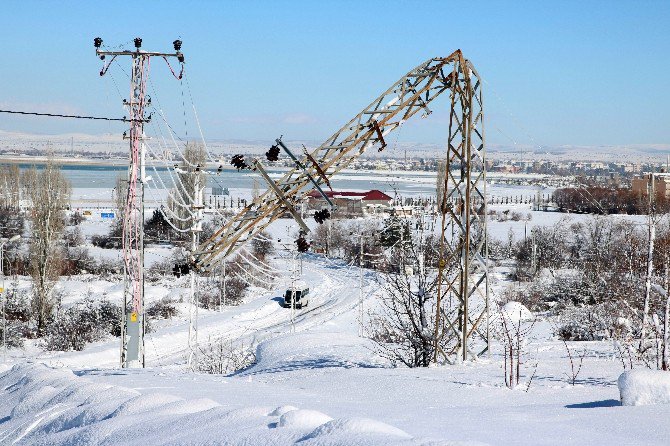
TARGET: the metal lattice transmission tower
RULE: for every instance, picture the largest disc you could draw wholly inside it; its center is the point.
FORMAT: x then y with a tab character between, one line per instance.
408	96
462	319
132	240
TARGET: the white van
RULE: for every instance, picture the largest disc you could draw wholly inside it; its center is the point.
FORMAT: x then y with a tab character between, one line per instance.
297	294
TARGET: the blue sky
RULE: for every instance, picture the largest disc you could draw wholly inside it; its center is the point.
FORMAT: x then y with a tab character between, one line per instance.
557	72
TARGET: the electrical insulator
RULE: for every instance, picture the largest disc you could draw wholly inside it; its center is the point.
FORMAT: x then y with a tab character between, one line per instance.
321	216
181	269
177	45
273	153
97	42
138	42
238	162
302	244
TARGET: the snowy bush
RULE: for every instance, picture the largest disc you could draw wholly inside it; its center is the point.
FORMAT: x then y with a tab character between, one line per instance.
262	245
587	323
106	268
642	387
163	309
15	334
76	218
17	305
209	297
78	261
85	322
111	240
224	357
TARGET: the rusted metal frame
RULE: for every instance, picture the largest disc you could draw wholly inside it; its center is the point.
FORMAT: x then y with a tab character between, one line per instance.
232	238
340	161
320	171
223	228
358	142
305	172
444	209
479	97
380	137
288	204
466	124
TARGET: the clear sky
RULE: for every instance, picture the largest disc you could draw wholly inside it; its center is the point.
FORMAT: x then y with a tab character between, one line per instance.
564	72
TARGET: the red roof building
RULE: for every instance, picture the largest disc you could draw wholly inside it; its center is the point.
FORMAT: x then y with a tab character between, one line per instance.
351	203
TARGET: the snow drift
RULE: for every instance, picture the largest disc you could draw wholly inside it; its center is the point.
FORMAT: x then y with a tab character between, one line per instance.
45	406
642	387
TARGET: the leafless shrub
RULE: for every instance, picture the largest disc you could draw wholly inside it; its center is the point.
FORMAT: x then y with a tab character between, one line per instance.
85	322
262	245
576	362
403	328
76	218
514	333
223	357
162	309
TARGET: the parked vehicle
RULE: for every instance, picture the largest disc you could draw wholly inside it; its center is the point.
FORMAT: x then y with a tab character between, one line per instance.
297	294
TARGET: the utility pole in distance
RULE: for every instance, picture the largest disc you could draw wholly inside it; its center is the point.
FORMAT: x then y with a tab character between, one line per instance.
132	240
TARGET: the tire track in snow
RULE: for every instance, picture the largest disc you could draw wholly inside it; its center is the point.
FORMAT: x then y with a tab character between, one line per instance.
331	297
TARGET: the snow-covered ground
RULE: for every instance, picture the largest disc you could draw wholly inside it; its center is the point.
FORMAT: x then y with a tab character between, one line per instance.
315	381
318	365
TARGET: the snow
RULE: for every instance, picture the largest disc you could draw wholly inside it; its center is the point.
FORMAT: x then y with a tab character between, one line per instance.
516	312
303	419
644	387
357	426
56	407
316	380
312	361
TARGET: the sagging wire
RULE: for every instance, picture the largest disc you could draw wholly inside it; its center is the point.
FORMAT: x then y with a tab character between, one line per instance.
185	192
537	146
181	73
181	154
258	268
269	267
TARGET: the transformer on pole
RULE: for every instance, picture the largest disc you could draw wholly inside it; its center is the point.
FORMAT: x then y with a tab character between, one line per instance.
132	240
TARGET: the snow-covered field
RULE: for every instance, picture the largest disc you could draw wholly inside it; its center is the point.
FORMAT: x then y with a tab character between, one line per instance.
315	381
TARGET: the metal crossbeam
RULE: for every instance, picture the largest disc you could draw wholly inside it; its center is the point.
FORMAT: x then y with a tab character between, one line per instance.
408	96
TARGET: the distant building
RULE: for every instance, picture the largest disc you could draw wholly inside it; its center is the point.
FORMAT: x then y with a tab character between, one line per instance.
640	184
351	203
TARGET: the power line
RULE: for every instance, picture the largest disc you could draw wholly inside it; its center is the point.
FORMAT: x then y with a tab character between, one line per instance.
58	115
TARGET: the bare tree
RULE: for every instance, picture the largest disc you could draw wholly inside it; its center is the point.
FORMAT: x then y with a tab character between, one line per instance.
120	196
262	246
49	194
403	328
10	186
190	178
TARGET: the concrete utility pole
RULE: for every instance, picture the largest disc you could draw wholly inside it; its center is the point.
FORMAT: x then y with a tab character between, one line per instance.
651	227
132	241
197	218
360	290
